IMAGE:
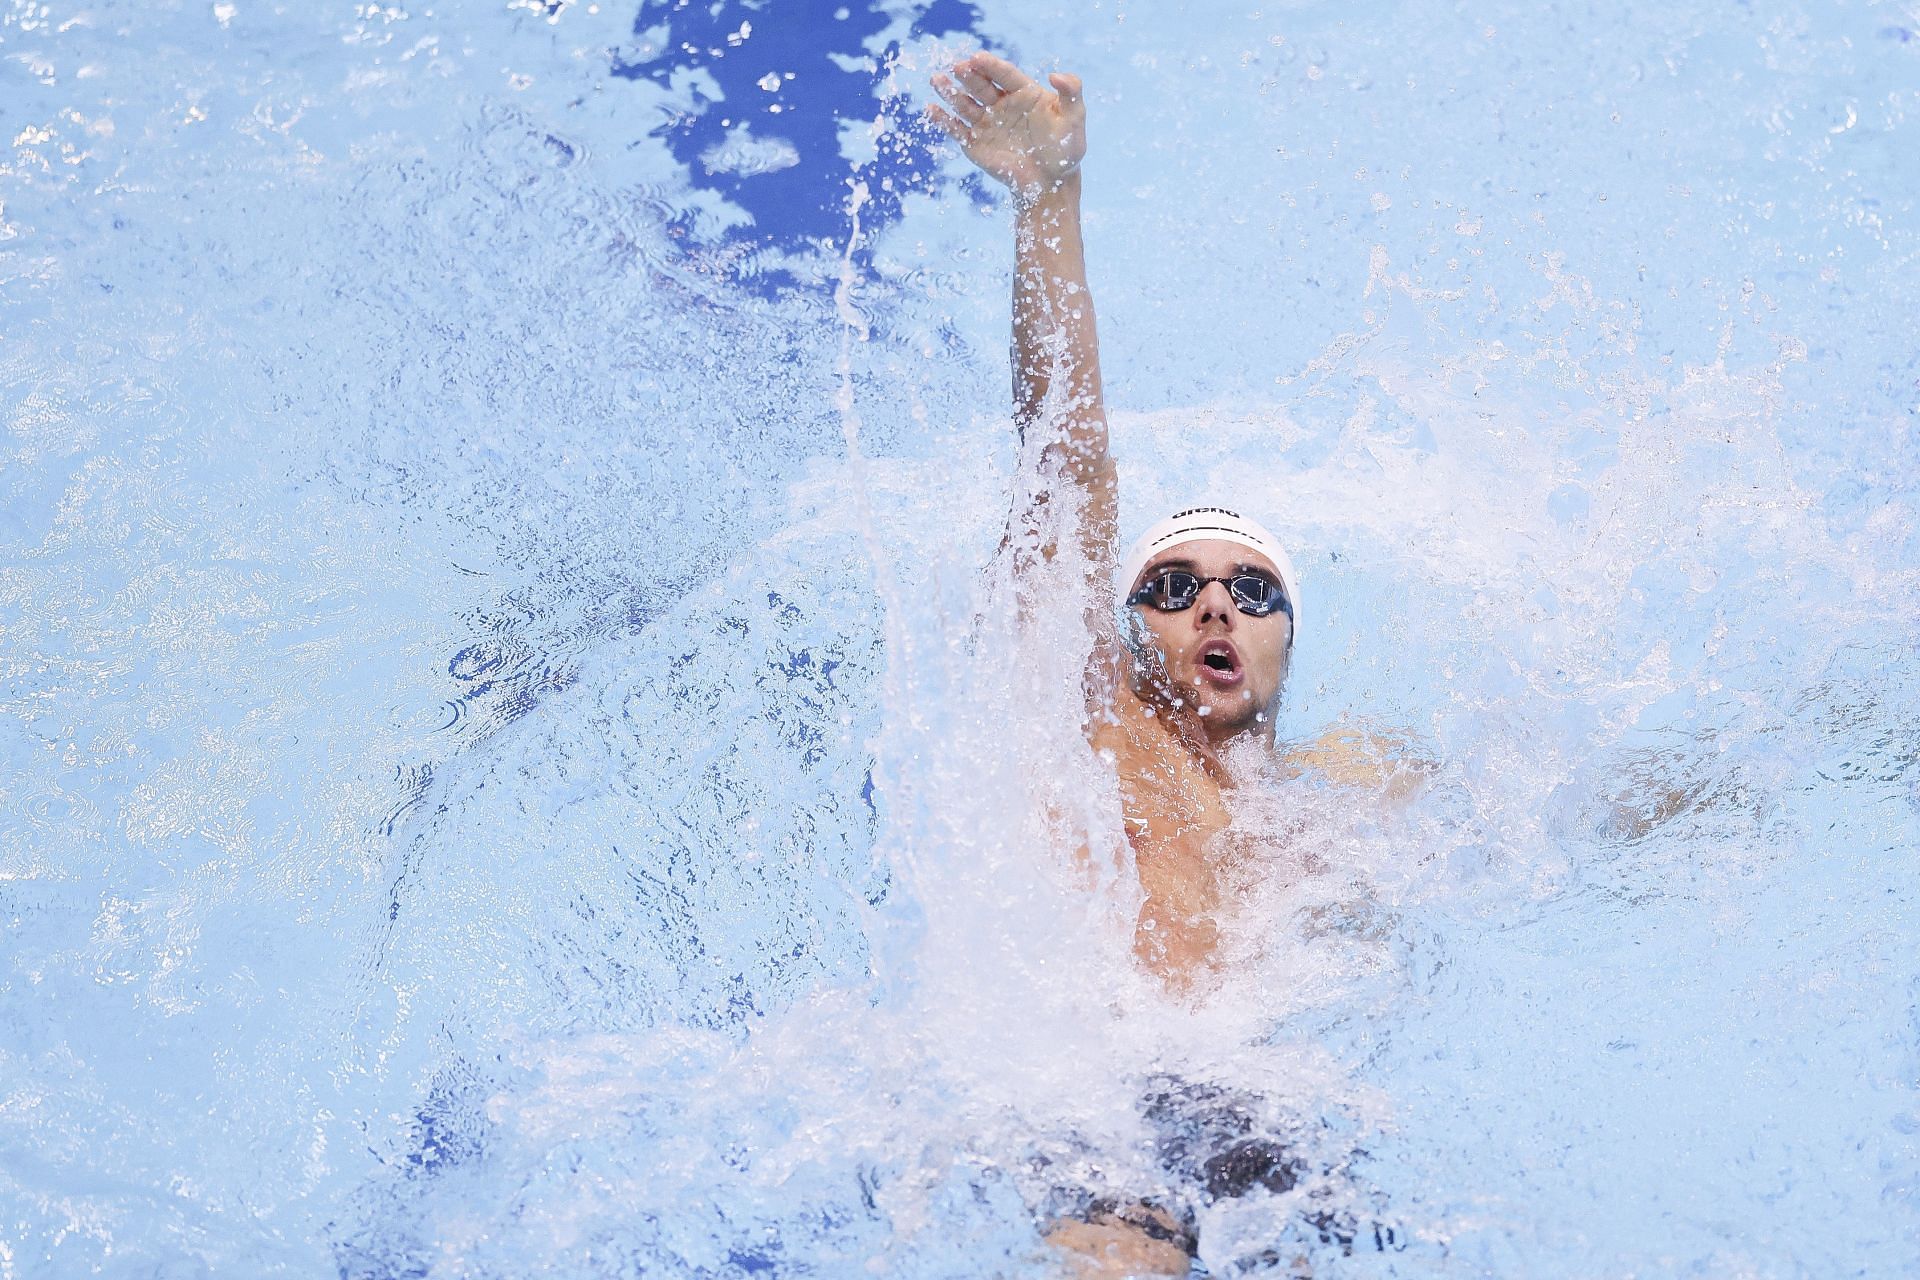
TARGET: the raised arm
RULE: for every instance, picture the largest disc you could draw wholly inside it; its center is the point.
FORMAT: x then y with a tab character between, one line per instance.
1031	139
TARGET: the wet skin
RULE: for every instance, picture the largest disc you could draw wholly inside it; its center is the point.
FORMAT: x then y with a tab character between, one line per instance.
1163	733
1031	138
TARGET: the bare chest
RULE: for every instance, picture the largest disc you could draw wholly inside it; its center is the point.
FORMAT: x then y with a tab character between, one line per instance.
1174	813
1170	807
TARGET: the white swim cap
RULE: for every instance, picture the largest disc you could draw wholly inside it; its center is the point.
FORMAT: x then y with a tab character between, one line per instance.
1198	524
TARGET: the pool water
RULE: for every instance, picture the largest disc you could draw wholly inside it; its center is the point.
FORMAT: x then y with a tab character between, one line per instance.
513	758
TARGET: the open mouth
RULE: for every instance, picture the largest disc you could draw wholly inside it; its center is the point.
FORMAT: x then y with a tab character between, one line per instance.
1219	663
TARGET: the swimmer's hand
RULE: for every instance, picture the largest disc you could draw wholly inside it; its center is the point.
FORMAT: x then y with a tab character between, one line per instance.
1022	135
1363	755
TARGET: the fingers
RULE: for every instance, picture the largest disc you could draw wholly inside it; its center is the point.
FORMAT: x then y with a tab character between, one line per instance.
978	85
1005	76
981	81
963	105
948	122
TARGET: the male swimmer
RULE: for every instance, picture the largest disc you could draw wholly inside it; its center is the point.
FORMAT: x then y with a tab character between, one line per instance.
1211	595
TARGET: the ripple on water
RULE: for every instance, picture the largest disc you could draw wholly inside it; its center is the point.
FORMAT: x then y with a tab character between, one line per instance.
647	781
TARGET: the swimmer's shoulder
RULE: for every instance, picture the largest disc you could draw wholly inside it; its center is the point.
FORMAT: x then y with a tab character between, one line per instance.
1124	729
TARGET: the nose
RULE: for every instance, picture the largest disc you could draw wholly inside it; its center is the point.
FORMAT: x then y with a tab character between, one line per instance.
1215	603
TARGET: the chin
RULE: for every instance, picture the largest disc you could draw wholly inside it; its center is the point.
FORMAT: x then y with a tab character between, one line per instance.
1234	714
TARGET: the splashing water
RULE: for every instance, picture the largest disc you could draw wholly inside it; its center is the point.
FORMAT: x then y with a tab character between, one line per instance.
518	755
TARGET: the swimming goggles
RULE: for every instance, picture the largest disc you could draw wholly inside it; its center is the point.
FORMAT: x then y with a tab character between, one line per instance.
1174	589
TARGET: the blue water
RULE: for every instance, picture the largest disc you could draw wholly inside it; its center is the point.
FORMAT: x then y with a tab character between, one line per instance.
510	758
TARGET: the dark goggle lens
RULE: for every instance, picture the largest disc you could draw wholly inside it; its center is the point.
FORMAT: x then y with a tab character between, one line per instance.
1255	595
1173	590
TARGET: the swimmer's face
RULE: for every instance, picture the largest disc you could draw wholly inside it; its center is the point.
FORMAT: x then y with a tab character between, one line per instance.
1223	663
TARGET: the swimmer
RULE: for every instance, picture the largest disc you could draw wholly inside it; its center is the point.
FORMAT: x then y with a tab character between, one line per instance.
1211	597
